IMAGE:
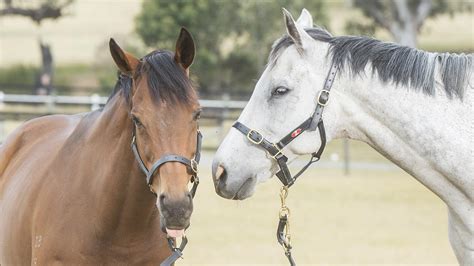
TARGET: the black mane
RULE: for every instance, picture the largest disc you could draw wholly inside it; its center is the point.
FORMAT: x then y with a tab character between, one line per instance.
167	80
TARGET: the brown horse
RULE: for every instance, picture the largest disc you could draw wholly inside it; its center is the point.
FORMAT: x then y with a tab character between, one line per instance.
71	191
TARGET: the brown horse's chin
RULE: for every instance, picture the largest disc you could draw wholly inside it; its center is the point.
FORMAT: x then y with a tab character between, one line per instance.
165	225
175	214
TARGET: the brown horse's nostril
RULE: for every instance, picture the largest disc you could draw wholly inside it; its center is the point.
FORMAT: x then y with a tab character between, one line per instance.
221	174
189	196
162	198
175	212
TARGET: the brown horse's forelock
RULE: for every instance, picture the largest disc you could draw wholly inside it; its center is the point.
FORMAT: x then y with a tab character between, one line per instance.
167	80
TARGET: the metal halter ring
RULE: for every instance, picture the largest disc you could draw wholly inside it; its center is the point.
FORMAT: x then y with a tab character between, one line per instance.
194	166
151	189
319	97
172	243
278	149
253	141
283	194
284	211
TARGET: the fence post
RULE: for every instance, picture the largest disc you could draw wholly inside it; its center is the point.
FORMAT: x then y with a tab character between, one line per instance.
50	103
95	102
224	115
2	122
2	97
346	157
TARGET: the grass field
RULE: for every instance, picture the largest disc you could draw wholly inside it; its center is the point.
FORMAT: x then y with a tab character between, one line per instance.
369	217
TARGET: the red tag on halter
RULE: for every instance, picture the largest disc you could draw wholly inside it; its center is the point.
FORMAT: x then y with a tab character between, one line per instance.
296	133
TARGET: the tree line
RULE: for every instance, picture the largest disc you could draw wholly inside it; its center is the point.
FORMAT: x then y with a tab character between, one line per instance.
234	37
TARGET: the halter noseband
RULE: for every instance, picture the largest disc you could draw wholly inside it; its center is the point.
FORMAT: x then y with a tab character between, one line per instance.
192	166
275	150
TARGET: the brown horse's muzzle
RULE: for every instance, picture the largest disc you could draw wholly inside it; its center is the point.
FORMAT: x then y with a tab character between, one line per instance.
175	214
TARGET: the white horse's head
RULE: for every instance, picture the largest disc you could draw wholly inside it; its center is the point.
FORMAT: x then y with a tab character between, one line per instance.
284	97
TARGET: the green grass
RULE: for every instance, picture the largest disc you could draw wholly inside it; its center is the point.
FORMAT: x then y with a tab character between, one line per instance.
70	79
85	79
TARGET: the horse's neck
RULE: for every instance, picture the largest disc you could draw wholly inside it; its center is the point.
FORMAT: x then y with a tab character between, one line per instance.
124	202
425	135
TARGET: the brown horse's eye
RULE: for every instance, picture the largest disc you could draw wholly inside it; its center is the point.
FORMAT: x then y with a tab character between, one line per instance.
197	115
137	121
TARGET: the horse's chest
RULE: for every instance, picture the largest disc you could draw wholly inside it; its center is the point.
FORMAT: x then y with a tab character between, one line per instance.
91	251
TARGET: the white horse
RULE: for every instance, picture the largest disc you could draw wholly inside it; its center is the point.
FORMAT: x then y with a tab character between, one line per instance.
414	107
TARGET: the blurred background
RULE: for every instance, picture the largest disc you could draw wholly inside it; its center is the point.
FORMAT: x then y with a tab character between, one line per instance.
354	207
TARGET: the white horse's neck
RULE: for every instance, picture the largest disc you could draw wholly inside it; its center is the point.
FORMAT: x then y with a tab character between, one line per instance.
430	137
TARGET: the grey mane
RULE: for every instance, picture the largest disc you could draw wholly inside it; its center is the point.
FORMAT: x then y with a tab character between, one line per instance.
392	62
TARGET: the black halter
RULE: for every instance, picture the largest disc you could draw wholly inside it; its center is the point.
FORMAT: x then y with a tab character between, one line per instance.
192	166
275	150
310	124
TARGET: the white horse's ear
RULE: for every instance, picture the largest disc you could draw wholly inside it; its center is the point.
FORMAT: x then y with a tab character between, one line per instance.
296	32
305	20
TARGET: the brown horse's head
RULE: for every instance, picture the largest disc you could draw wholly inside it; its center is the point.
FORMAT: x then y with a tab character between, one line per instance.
165	110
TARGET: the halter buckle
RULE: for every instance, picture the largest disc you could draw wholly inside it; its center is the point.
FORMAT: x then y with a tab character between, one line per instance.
251	131
194	166
324	103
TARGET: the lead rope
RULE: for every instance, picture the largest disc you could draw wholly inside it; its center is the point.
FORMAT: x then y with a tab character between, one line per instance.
176	252
283	231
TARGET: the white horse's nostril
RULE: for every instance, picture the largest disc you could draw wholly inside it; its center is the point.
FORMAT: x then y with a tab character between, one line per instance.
220	170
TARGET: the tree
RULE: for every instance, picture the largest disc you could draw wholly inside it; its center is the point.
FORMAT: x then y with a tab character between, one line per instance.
47	9
233	38
402	18
159	21
37	12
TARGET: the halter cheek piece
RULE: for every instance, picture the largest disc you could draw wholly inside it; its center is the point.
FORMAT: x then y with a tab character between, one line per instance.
275	150
192	166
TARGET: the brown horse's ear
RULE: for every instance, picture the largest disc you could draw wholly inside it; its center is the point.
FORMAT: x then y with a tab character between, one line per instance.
185	49
126	62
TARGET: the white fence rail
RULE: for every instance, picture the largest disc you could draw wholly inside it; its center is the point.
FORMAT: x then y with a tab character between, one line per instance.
95	101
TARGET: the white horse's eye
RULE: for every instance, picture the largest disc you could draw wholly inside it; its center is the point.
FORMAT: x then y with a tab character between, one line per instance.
278	91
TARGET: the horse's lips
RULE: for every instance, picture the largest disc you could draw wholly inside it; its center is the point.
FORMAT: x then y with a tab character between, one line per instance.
175	233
